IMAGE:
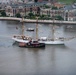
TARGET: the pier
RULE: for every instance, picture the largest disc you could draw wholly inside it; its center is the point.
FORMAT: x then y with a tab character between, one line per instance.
40	21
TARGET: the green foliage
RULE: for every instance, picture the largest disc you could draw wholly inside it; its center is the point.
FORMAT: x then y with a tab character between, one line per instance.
46	6
30	14
67	1
3	13
18	15
44	17
55	8
59	18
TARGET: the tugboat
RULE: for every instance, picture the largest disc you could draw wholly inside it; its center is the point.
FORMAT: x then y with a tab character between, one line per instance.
32	44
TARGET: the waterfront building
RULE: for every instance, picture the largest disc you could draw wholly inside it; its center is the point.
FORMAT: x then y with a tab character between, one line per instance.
9	11
4	1
35	8
18	1
70	12
23	8
50	12
67	12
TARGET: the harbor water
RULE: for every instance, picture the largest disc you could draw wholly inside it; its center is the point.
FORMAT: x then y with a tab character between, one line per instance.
51	60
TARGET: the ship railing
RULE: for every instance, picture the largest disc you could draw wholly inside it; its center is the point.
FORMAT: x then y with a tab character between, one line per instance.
23	37
50	39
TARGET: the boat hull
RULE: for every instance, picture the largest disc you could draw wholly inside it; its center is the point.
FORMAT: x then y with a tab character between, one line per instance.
46	42
20	40
53	42
27	45
24	43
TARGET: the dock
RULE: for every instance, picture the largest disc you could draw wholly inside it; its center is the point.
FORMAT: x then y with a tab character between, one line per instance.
40	21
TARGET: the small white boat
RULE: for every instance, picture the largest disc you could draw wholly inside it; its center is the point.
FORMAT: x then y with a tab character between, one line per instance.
30	29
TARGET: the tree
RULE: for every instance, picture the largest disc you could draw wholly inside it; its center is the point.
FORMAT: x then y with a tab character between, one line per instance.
59	18
43	16
30	15
46	6
55	8
3	13
18	15
35	0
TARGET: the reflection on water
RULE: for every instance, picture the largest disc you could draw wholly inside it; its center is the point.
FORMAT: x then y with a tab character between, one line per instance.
51	60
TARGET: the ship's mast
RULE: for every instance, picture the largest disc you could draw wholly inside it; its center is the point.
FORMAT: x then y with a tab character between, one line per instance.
53	28
53	31
37	29
22	27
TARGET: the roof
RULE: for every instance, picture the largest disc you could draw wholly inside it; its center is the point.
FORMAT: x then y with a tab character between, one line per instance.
28	4
70	7
59	5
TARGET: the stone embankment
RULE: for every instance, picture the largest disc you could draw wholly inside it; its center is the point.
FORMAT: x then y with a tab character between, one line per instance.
39	21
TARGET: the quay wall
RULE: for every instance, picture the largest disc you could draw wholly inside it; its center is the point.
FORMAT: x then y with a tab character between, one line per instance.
39	21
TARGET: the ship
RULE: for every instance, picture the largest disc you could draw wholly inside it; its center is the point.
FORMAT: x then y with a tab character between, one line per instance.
28	42
52	41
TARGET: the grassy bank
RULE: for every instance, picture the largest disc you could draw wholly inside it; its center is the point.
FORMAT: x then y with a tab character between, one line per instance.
67	1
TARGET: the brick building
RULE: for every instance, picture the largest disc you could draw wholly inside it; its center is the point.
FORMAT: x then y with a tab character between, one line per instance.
23	9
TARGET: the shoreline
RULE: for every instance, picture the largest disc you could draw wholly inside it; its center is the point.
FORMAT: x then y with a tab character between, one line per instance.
39	21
